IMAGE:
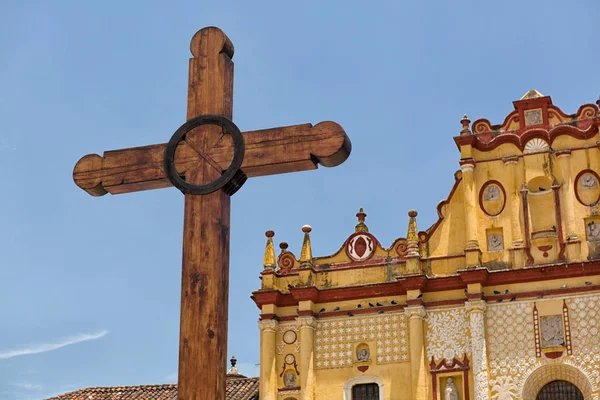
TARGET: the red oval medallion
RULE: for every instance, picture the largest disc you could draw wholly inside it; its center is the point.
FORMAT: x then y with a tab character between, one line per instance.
360	246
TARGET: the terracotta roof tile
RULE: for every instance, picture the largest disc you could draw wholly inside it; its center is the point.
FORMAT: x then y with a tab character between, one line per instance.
237	389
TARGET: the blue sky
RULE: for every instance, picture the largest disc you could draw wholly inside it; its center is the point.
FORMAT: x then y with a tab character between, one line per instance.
89	287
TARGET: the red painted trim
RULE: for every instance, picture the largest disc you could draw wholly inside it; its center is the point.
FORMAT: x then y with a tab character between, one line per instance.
415	282
303	294
286	388
453	282
441	303
559	228
553	354
475	296
450	282
306	313
526	223
567	328
347	265
585	171
592	114
479	275
585	130
483	187
456	366
467	161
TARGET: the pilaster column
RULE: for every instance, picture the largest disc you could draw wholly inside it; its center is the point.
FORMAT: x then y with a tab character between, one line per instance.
268	373
476	312
514	201
307	357
472	250
418	362
564	161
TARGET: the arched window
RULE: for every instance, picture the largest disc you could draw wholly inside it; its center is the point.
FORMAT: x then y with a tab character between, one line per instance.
364	388
365	391
560	390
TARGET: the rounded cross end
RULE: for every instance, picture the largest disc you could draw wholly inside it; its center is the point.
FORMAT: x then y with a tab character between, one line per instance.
211	40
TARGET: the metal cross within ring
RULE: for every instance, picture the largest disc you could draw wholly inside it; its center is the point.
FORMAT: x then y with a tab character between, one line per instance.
230	180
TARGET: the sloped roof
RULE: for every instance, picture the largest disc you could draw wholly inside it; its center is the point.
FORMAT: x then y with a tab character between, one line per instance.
237	389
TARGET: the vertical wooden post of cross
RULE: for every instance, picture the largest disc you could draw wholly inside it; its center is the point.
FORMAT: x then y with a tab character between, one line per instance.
205	267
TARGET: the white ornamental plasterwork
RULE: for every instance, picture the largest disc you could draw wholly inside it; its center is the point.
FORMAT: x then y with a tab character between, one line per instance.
511	344
281	343
584	316
511	347
447	334
335	340
475	311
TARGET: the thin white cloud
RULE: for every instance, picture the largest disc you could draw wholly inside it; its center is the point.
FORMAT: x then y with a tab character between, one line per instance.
28	386
42	348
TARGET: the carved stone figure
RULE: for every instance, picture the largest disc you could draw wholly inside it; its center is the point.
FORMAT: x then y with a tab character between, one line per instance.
289	379
491	192
588	181
495	242
362	354
552	331
533	117
593	231
451	391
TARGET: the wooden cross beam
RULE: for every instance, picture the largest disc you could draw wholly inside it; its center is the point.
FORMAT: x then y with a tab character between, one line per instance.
201	156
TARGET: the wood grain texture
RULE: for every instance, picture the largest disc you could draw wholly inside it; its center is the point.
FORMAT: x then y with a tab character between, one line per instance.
268	152
205	267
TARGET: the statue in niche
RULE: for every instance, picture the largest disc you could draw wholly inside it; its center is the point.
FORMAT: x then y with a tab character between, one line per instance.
491	193
552	331
593	231
451	391
588	181
362	354
289	380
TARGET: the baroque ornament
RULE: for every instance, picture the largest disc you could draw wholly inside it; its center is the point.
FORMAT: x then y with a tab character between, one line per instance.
475	310
447	334
511	344
360	246
536	145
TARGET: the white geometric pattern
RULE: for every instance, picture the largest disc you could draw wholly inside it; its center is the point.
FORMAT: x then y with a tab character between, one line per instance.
336	338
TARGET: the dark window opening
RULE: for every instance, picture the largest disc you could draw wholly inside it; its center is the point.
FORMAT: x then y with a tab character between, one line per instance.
560	390
367	391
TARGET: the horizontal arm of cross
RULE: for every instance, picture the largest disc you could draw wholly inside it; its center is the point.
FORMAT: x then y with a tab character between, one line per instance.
268	152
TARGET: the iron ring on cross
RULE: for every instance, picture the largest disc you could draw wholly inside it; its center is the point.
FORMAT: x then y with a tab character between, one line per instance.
230	180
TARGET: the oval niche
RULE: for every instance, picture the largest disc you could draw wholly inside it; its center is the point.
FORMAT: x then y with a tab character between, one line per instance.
492	198
587	187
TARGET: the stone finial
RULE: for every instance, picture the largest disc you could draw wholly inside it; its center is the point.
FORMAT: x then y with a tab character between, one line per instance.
412	240
306	253
465	121
269	261
361	227
532	94
233	372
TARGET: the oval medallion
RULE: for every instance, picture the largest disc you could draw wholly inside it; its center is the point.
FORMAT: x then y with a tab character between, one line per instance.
360	246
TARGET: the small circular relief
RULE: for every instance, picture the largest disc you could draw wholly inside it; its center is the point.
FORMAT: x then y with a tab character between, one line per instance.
289	337
289	359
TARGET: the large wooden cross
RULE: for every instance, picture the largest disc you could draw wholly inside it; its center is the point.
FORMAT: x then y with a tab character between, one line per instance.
208	160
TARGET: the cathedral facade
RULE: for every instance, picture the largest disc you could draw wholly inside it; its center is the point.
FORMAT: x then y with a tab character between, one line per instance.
499	299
